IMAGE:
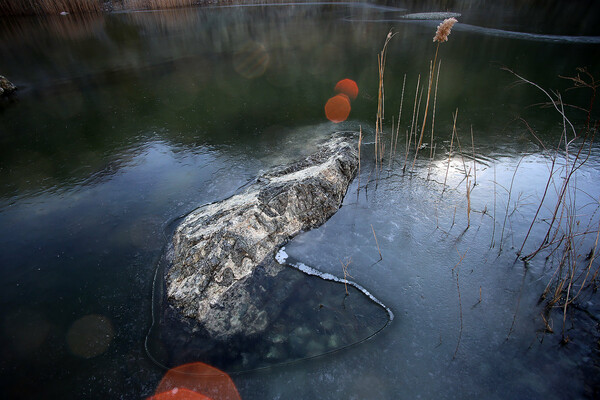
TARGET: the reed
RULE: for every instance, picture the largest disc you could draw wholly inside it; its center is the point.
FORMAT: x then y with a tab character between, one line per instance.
157	4
381	58
29	7
457	270
400	114
412	125
441	36
55	7
414	133
492	243
346	274
474	161
431	160
431	145
392	145
565	236
360	136
509	191
461	317
468	203
377	243
454	116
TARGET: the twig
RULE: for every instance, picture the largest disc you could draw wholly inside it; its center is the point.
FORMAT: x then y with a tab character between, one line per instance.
400	114
375	236
412	125
346	274
450	152
459	304
359	144
474	161
512	181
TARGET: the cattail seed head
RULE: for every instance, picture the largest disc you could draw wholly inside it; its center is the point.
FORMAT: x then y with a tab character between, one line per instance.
443	30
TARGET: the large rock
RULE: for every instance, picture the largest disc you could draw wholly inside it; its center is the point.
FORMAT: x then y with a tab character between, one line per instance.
218	247
6	87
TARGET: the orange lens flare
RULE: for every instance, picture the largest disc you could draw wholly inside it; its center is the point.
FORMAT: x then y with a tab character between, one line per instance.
196	379
179	394
347	87
338	108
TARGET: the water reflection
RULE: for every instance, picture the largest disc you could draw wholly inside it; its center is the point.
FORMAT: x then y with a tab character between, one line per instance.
184	74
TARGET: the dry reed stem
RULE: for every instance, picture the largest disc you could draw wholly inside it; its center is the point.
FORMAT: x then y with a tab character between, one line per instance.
514	320
462	156
412	124
468	203
55	7
391	145
437	79
592	257
381	57
492	244
547	326
156	4
563	235
400	113
453	218
359	144
512	181
552	101
431	161
417	116
459	301
375	236
561	196
455	115
431	72
474	163
461	317
346	274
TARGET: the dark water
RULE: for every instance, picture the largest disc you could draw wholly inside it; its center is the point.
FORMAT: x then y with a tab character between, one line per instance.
125	122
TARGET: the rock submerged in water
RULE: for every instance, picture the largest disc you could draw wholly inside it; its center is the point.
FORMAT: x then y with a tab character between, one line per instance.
6	87
218	247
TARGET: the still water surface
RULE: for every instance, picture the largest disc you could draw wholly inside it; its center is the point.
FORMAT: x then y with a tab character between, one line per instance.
126	122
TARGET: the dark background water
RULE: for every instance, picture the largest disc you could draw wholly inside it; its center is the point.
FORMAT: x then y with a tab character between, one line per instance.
125	122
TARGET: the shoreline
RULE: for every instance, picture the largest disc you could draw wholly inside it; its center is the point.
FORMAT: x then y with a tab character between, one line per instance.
16	8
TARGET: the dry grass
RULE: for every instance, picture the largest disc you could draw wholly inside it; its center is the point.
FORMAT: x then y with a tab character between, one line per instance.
54	7
28	7
346	274
156	4
455	115
399	115
412	125
566	239
360	137
377	243
381	57
457	270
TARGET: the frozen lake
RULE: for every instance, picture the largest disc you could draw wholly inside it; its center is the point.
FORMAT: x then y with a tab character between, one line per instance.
126	122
